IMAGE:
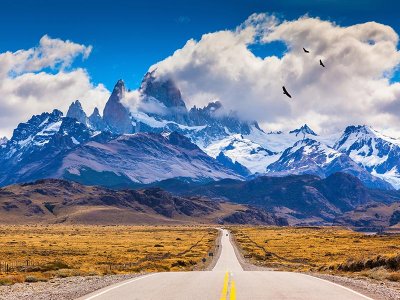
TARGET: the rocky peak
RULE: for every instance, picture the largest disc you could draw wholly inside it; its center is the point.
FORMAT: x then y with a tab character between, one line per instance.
115	115
95	113
354	136
75	111
209	109
118	92
305	129
36	124
3	140
363	129
164	90
96	121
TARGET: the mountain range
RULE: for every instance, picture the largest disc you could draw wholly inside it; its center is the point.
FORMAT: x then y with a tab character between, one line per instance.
339	199
347	178
163	139
54	201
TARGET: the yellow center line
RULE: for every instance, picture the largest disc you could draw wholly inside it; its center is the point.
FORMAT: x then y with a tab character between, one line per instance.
232	293
225	287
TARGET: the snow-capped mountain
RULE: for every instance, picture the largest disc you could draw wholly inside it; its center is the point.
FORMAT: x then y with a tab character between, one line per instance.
279	141
50	145
140	158
309	156
35	143
163	109
303	131
377	153
244	151
121	161
128	145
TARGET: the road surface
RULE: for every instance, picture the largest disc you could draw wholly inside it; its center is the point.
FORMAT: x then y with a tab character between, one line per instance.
227	281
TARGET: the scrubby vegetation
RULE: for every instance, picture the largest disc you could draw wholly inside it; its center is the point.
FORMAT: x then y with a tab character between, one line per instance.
37	253
322	249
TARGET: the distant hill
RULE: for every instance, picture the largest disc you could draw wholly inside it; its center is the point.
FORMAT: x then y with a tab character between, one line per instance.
58	201
302	199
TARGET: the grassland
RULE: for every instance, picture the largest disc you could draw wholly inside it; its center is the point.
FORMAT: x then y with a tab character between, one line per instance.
327	250
33	253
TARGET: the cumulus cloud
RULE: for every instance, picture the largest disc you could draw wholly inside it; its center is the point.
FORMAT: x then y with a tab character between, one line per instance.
26	88
354	87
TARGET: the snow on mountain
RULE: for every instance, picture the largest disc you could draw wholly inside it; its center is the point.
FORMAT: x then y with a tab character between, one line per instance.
305	156
280	141
309	156
249	154
35	142
235	147
377	153
50	145
141	158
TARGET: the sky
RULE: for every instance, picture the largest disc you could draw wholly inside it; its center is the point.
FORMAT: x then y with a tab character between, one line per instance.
239	51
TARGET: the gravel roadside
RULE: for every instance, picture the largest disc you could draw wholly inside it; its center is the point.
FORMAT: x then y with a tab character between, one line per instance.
379	290
60	288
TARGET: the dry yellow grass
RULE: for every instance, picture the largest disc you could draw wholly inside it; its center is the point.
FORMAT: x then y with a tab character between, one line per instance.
41	252
314	249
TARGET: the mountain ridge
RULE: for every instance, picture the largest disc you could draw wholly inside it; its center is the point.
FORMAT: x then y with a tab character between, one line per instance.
239	146
54	201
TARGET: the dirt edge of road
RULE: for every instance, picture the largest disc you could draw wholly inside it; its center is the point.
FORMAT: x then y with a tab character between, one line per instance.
216	253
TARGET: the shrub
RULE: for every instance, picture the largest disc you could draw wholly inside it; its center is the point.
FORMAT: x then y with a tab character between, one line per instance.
179	263
394	277
31	278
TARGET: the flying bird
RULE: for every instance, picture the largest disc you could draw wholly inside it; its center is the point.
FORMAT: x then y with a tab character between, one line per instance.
321	63
306	51
285	92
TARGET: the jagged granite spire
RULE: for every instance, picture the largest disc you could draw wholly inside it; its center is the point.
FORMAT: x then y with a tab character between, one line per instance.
115	115
164	90
75	111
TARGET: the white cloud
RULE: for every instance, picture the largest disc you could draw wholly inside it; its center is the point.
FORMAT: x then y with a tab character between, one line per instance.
26	88
353	88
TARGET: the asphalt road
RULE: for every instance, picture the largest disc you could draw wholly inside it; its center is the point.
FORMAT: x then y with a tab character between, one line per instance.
227	281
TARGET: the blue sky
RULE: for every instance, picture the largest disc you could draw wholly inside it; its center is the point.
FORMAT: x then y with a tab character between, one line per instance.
60	51
129	36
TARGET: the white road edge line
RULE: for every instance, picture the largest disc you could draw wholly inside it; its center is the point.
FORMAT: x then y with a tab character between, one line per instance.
343	287
119	285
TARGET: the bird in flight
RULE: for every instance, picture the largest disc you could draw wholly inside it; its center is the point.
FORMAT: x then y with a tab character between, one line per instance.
285	92
305	50
321	63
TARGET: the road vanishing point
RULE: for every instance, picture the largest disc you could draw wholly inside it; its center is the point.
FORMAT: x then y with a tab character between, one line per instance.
226	281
